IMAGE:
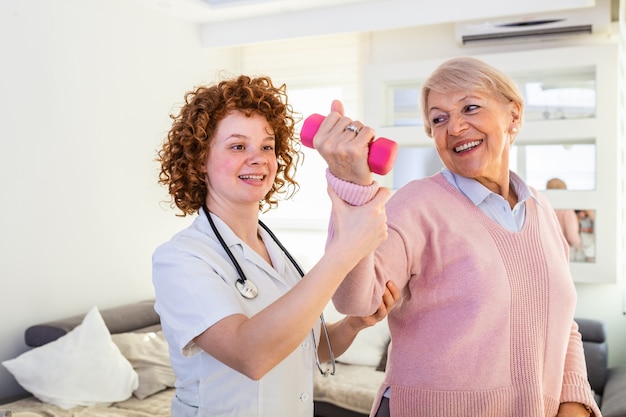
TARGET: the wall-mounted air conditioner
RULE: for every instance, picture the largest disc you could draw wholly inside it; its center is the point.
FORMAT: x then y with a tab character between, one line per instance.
560	24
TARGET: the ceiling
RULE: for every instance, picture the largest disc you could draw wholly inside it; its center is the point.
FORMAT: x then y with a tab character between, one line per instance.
205	11
234	22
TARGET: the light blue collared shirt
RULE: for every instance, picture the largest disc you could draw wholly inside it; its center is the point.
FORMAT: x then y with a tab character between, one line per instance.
492	204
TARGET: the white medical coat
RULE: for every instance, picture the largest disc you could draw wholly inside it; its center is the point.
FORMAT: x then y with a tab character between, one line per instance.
194	282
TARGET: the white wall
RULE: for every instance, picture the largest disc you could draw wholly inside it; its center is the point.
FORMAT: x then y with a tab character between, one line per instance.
86	87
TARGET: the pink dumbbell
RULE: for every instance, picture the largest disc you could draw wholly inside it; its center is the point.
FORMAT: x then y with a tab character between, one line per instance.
382	153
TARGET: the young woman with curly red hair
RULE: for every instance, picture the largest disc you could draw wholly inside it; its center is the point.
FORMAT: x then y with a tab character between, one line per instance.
241	318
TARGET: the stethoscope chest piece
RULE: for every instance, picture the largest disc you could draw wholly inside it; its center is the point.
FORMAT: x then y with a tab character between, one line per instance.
247	288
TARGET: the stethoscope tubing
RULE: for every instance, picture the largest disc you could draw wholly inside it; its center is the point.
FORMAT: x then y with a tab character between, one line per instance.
248	290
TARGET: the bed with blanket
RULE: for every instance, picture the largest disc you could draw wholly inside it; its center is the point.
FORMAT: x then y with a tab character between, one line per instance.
115	362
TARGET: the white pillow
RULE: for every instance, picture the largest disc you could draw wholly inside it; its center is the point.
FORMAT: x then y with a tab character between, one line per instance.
83	367
368	346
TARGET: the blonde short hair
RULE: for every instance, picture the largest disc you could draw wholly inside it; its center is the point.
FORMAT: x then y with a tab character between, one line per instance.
466	73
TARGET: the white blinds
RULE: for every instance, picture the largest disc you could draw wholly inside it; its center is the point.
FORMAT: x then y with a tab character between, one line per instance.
313	63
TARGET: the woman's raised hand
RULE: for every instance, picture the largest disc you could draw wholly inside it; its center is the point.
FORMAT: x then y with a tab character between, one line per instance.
344	145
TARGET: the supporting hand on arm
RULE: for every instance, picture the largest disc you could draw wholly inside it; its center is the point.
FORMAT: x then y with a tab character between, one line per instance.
343	332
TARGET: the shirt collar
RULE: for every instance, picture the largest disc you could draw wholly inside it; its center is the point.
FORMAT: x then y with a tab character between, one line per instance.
477	193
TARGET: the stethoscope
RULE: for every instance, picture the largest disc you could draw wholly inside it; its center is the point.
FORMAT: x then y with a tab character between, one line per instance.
249	290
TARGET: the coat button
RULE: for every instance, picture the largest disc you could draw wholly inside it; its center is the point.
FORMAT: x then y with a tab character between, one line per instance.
304	397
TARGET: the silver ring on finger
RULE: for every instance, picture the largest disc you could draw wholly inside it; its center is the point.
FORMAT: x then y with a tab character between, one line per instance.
353	128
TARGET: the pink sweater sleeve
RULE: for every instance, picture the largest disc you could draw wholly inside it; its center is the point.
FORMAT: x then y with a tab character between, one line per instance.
575	384
353	194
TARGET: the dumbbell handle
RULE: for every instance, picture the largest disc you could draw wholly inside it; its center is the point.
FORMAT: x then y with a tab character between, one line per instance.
382	153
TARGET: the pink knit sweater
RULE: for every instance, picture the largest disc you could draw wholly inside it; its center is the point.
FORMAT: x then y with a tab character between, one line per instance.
485	325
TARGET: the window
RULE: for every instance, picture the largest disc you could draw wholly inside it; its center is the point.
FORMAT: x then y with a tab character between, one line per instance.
573	163
310	204
570	132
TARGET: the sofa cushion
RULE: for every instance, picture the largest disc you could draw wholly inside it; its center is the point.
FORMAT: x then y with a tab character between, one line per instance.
353	387
614	400
592	330
148	354
125	318
593	334
382	365
596	357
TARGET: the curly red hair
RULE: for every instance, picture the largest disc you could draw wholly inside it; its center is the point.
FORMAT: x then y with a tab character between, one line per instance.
187	145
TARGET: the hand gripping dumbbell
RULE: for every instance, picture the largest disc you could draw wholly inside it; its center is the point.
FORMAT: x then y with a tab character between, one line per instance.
382	153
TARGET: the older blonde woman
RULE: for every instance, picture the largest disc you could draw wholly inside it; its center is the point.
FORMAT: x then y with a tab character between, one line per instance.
484	325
